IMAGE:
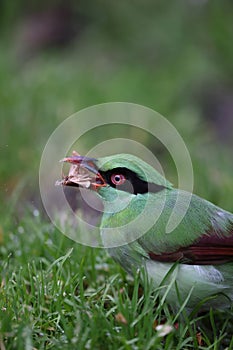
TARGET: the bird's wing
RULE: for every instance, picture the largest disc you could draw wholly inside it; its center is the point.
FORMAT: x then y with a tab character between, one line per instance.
204	237
208	250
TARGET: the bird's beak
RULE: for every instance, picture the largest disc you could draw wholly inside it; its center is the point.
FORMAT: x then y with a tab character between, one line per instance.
83	173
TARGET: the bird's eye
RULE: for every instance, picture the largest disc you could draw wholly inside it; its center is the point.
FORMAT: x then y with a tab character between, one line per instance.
118	179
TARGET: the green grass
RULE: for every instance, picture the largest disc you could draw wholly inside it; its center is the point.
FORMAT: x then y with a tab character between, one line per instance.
57	294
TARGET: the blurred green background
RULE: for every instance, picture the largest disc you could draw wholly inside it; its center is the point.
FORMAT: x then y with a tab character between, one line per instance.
56	58
61	56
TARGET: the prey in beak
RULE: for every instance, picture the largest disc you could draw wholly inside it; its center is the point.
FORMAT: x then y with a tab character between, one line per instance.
83	173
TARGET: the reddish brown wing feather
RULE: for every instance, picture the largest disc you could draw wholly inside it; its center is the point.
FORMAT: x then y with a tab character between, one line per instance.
210	249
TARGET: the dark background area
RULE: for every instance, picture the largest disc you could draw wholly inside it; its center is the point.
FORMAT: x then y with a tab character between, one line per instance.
59	57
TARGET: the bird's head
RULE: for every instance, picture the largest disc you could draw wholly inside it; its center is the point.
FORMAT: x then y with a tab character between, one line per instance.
108	176
127	186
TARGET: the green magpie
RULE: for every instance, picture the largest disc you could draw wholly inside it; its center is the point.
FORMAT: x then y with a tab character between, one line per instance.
194	260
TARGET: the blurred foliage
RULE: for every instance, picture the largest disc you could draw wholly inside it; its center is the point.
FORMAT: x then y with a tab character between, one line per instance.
176	58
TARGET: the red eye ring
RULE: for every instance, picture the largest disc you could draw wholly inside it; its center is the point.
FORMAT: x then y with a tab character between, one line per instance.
118	179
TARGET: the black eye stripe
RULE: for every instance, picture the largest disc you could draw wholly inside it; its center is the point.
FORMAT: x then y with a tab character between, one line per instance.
138	185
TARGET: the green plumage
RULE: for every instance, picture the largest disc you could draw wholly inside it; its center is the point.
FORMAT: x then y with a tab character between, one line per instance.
202	219
133	227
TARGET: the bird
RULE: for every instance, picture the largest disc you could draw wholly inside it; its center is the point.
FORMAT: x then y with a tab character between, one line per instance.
193	262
